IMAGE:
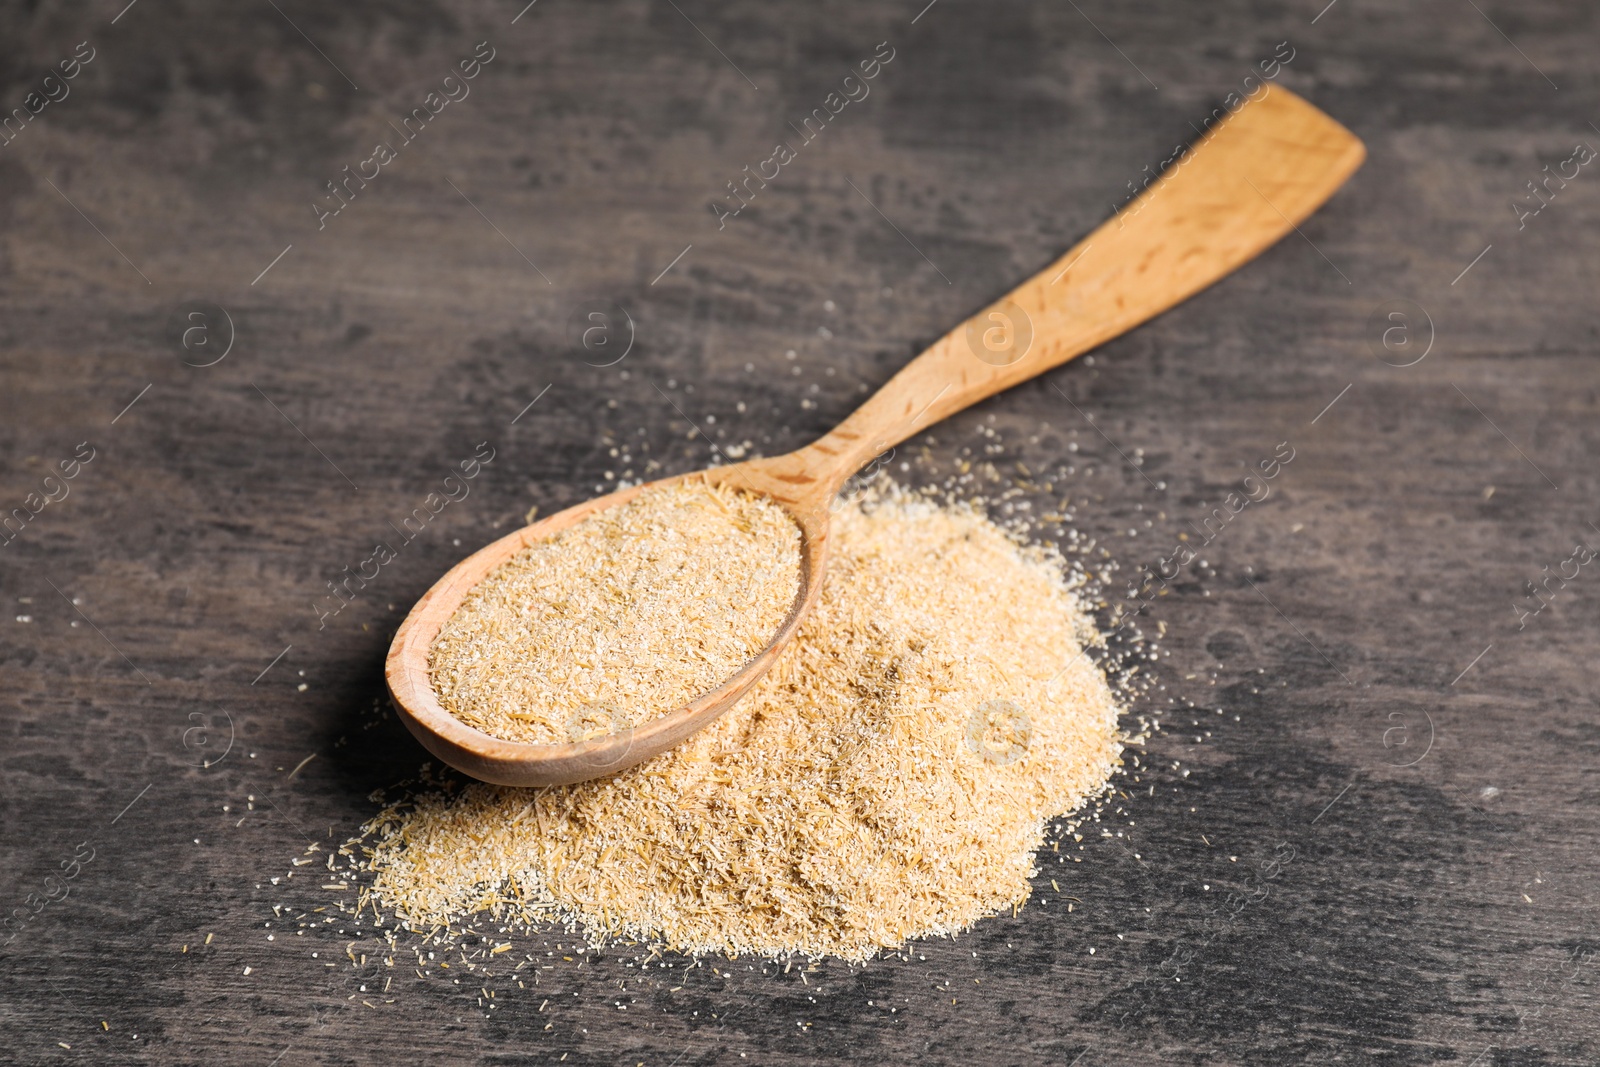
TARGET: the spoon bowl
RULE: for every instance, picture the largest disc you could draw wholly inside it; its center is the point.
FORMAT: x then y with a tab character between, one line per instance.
1244	185
494	759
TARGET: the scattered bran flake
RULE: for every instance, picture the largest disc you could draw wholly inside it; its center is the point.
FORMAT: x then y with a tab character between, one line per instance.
890	778
622	618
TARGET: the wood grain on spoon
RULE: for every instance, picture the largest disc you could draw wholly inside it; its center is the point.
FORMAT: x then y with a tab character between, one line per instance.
1245	185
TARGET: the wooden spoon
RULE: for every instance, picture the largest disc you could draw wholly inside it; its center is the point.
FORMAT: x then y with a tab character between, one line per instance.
1239	189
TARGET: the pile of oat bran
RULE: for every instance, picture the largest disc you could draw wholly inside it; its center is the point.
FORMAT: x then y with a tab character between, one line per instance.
890	778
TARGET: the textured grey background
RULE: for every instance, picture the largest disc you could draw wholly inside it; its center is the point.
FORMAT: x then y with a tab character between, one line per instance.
1360	619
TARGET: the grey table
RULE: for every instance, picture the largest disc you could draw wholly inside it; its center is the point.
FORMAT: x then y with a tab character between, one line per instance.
1365	833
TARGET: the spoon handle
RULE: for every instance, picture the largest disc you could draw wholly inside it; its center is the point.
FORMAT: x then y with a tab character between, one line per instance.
1247	183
